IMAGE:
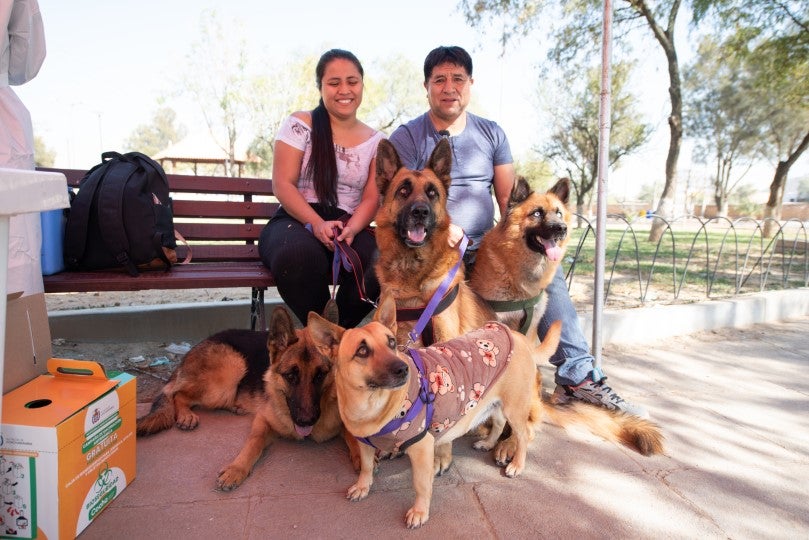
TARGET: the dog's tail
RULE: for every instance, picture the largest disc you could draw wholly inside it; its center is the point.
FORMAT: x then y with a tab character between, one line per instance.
160	417
637	433
549	344
634	432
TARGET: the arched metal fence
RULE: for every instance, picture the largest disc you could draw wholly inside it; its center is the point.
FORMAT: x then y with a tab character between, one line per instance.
694	259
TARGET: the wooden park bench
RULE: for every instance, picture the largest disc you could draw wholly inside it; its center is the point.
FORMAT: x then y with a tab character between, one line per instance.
221	218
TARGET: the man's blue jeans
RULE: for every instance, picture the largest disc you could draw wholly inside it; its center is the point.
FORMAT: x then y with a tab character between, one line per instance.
572	359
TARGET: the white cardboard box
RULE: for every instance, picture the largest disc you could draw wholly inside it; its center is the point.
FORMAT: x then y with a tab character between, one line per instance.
67	449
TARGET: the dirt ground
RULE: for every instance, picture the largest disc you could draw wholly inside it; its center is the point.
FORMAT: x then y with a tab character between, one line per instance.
150	361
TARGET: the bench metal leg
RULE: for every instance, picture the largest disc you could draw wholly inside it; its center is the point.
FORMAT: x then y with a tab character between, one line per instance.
257	317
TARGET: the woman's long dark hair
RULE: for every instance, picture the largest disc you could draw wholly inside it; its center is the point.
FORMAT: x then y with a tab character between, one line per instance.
322	166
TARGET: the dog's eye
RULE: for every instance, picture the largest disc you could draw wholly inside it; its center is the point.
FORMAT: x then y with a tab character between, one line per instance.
291	377
432	193
320	376
405	189
539	213
362	351
392	343
558	213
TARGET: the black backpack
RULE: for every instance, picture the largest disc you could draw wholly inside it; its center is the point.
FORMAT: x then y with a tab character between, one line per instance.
121	216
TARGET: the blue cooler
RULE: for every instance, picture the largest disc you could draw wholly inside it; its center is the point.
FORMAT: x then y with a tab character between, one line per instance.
53	238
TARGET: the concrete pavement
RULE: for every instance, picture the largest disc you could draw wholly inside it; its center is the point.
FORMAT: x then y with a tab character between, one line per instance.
732	403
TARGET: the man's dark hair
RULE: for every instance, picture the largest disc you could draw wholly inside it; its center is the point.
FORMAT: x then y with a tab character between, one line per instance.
441	55
322	166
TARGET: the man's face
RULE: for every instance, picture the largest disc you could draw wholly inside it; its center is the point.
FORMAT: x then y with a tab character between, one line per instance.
449	89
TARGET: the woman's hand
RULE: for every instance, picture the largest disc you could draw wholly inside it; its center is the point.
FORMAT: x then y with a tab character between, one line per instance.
347	234
325	232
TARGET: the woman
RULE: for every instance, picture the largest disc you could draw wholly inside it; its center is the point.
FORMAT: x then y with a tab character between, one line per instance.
324	169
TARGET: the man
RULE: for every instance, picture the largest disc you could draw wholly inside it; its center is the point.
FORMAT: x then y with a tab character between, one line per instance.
482	162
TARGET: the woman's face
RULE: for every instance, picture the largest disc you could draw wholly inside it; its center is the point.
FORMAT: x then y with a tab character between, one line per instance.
341	88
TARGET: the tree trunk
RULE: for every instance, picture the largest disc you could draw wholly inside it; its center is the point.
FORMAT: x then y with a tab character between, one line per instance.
580	209
665	207
772	209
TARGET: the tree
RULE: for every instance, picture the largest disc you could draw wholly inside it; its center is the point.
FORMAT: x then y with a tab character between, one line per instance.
218	79
574	143
578	31
775	38
43	155
393	93
162	132
723	115
274	95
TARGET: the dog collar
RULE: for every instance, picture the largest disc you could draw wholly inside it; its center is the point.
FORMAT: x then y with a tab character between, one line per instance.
415	314
526	305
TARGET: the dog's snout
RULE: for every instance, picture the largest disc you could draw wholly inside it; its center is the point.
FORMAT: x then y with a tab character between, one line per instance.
399	369
420	211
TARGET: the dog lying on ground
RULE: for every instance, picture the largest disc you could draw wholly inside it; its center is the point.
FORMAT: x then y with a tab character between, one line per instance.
518	257
280	375
412	232
396	402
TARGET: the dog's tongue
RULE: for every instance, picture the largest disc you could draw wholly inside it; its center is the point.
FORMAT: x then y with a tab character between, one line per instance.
417	235
303	431
552	251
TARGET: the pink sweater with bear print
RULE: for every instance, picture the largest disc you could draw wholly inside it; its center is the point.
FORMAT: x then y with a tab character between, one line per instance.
458	372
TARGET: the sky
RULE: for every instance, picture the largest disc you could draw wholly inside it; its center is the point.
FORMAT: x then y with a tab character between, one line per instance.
110	61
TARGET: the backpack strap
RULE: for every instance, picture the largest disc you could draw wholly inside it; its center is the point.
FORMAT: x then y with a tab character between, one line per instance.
110	214
79	216
142	160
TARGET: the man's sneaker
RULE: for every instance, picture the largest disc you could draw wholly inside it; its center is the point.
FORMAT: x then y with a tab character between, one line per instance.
598	394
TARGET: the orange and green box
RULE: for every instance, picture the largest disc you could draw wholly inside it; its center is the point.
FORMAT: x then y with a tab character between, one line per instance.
67	449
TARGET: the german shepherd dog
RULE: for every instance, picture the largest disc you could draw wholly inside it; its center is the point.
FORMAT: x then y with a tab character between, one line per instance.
412	231
376	385
518	257
281	375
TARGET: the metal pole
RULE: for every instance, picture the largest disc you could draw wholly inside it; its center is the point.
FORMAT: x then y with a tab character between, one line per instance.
604	114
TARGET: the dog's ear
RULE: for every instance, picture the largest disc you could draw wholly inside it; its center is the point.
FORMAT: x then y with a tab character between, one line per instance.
331	312
387	163
441	162
324	334
561	189
386	313
282	332
519	192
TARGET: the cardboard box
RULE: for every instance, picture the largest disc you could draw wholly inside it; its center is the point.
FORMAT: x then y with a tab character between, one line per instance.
28	339
67	449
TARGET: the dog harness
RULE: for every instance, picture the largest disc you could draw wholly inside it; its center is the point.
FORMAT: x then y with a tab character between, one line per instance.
448	381
526	305
440	300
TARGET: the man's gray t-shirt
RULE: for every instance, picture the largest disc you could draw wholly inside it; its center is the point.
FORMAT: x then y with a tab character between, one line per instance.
475	152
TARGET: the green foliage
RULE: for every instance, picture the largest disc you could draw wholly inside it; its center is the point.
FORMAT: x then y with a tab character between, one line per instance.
538	172
43	155
150	138
573	146
724	114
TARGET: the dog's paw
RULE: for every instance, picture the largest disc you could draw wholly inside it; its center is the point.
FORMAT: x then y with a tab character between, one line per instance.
230	478
504	452
482	445
238	409
416	517
513	470
358	492
441	464
187	421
